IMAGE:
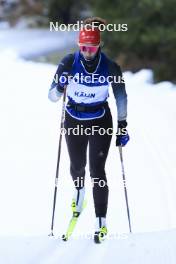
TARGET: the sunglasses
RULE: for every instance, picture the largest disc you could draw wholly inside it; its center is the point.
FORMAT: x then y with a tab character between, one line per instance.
91	49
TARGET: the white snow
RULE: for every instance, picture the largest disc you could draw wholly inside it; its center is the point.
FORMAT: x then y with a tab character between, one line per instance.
29	137
29	43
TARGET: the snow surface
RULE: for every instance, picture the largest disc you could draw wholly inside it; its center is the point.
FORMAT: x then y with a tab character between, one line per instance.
29	43
29	140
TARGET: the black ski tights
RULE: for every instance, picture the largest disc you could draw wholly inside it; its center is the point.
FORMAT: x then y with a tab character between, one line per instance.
99	144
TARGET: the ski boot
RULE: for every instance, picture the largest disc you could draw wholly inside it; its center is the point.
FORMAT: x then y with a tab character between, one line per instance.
101	230
78	204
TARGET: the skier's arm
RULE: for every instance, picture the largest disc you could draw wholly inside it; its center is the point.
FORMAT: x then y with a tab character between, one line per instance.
121	102
60	78
119	91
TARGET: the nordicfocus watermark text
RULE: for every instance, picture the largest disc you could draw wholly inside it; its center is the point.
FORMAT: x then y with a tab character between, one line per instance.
80	130
79	182
88	236
92	78
79	25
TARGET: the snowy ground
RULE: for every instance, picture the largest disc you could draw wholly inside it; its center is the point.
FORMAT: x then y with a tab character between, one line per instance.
29	43
138	248
29	140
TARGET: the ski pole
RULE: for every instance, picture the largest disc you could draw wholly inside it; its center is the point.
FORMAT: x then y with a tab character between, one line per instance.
58	159
125	188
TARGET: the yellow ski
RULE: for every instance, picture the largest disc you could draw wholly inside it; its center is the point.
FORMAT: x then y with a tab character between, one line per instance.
73	221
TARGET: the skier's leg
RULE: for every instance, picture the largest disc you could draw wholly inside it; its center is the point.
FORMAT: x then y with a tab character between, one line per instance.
98	151
77	150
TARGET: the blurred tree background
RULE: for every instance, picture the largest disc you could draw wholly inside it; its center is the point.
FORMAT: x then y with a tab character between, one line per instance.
149	42
68	11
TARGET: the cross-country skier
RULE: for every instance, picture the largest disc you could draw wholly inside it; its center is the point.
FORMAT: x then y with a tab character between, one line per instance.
87	108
